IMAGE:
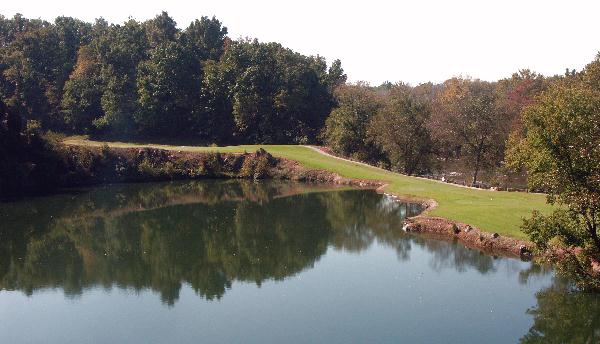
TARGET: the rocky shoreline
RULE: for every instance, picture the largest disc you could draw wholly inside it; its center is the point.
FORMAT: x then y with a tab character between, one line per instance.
444	229
490	243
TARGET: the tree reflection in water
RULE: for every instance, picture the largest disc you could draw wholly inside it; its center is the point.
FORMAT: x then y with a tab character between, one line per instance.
211	234
206	234
564	315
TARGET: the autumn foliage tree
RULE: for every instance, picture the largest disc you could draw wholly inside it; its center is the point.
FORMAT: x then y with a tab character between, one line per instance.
466	116
518	92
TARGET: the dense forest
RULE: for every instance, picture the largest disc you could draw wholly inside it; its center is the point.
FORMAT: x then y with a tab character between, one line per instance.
153	80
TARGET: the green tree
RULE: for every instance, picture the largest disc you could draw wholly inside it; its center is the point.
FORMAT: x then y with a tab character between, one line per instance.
277	95
217	124
37	58
81	104
161	29
120	49
205	38
400	130
168	88
346	127
336	76
561	153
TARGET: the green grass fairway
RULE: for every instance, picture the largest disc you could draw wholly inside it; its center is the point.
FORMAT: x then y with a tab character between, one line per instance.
493	211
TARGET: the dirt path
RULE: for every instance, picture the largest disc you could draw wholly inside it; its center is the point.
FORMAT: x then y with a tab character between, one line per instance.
319	150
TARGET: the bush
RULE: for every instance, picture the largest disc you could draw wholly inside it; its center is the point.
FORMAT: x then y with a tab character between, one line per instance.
567	244
256	165
146	168
560	225
211	165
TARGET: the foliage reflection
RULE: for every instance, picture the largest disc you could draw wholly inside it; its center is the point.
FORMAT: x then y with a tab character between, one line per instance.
210	234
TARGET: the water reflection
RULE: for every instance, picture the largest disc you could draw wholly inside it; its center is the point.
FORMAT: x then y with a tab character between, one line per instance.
209	235
563	315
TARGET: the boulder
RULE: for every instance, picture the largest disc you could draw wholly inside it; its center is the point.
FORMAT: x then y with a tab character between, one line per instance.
454	229
524	251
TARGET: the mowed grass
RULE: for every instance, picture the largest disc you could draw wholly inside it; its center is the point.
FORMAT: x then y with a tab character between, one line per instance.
492	211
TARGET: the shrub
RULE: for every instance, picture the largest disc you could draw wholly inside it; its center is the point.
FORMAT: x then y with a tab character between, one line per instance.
257	165
560	225
146	168
211	165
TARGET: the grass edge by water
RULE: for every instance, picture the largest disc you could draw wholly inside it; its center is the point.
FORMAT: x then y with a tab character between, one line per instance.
493	211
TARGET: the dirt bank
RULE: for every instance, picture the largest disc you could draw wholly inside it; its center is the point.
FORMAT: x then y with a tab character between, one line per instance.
100	165
490	243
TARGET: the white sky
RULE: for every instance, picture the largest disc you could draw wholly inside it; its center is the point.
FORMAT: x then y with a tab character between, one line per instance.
412	41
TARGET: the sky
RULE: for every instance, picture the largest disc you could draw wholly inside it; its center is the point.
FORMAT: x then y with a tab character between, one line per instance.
411	41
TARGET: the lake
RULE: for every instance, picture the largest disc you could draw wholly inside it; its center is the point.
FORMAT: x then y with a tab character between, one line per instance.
262	262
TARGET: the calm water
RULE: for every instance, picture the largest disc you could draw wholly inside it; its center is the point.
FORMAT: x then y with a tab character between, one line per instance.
242	262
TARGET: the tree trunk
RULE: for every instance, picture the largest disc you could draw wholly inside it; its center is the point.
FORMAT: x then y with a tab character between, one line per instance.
476	172
593	233
480	148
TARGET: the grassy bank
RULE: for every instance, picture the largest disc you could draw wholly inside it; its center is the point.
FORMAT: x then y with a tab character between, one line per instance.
494	211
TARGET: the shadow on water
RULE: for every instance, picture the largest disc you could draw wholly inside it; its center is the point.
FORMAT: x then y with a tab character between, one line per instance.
210	234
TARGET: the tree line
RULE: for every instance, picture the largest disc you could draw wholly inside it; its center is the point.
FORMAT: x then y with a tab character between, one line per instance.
414	129
559	146
153	80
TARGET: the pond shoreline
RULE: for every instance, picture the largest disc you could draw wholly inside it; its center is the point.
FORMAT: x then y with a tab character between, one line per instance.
469	236
90	166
